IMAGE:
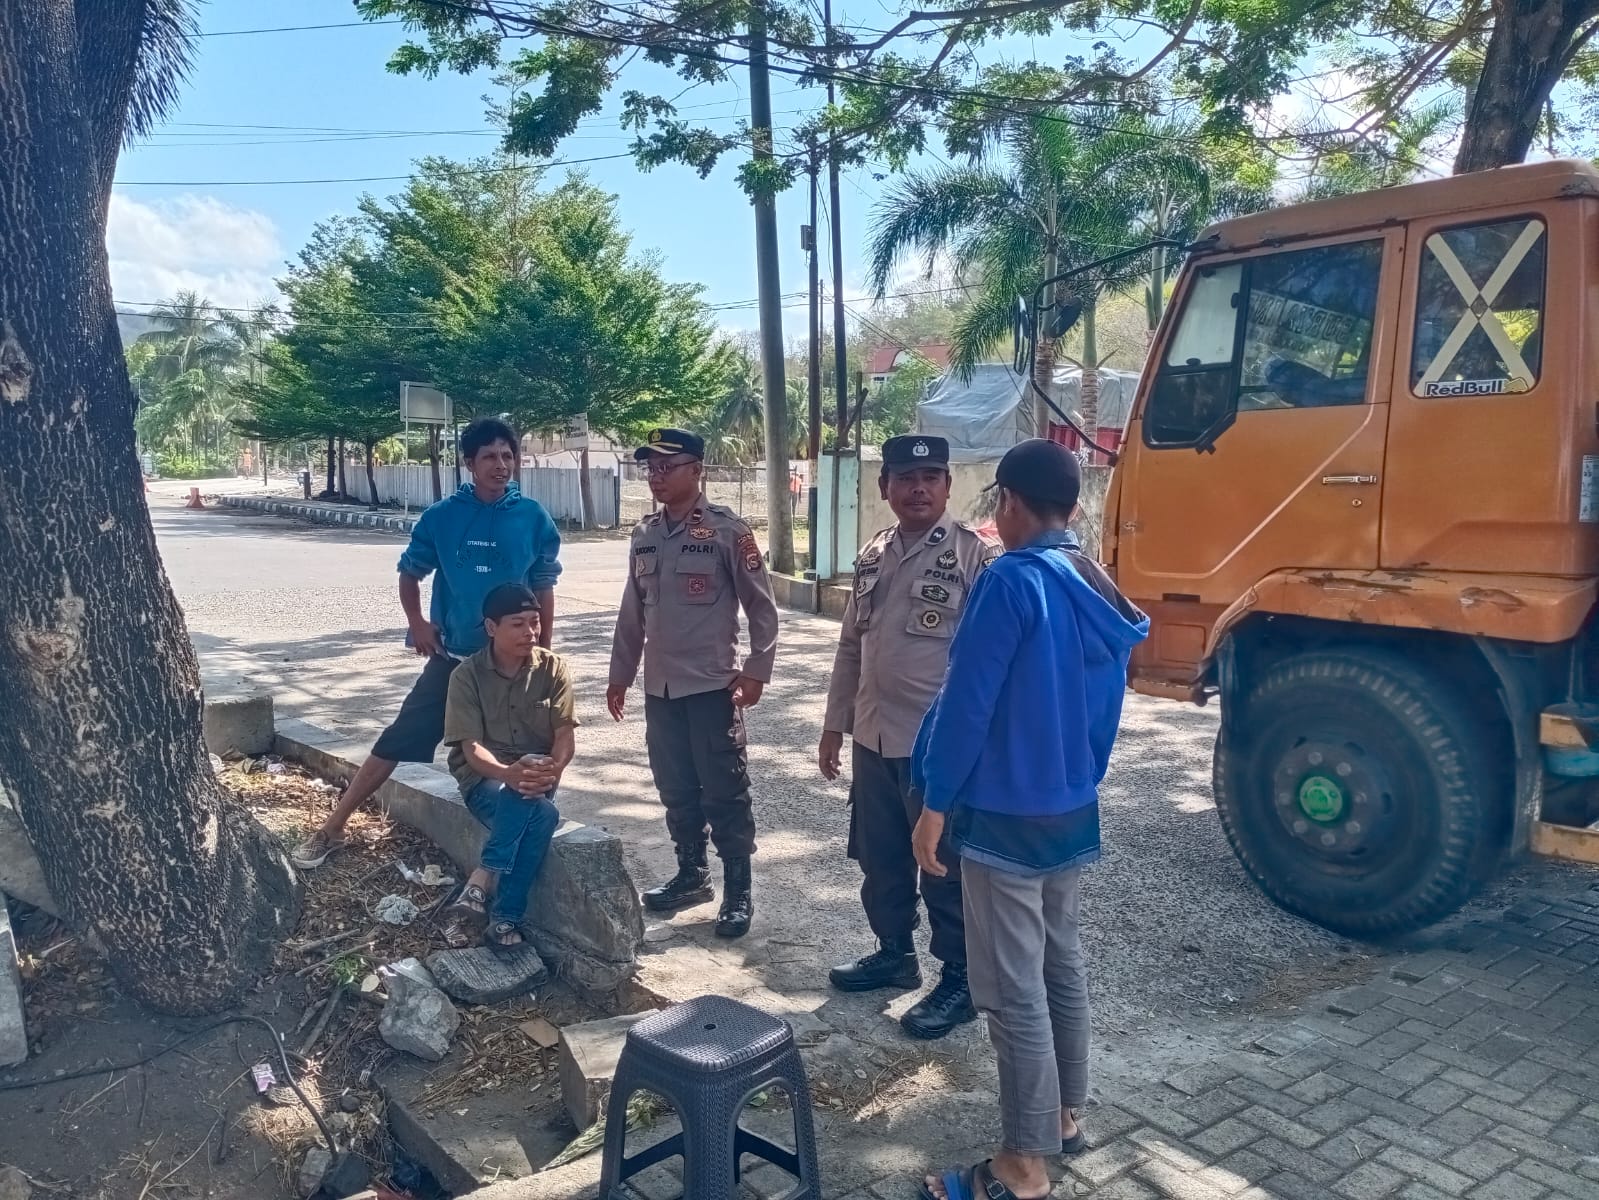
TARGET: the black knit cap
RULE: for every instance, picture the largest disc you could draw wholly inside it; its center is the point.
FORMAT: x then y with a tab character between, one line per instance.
507	600
1039	469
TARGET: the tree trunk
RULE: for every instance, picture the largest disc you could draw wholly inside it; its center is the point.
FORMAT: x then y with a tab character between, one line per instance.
333	467
1045	350
1526	55
371	454
433	459
1088	397
344	489
585	489
101	746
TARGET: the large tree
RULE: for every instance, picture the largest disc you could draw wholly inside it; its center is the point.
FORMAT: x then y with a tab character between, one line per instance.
101	745
920	75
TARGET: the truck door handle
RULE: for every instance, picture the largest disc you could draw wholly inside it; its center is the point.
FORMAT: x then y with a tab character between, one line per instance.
1355	480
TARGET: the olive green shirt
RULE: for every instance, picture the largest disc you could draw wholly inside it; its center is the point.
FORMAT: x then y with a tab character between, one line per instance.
511	717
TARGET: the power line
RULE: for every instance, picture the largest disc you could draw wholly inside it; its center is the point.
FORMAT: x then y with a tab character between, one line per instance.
215	33
559	162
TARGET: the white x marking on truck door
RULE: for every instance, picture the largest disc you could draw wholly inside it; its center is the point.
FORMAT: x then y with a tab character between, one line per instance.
1487	320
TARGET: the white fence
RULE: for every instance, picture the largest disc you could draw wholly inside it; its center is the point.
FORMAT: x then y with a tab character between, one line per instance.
556	488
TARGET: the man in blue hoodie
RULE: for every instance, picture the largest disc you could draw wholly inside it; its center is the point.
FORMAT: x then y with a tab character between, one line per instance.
1009	760
487	534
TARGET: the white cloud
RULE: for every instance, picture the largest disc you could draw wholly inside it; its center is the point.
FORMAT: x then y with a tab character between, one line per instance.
229	255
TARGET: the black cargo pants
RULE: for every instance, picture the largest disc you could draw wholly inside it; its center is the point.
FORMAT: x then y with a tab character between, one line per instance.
697	755
884	810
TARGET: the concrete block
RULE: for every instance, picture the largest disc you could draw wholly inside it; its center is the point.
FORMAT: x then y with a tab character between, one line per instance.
238	725
13	1025
795	593
481	976
20	873
584	914
834	598
588	1057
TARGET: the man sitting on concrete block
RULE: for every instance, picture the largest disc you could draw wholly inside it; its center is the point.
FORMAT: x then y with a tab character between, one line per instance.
509	724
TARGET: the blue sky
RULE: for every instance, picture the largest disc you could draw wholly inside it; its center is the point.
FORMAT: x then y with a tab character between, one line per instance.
176	223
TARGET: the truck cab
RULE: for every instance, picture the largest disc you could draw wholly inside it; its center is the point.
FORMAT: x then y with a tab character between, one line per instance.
1359	498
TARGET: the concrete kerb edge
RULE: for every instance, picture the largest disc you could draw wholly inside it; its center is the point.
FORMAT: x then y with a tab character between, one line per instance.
428	801
363	518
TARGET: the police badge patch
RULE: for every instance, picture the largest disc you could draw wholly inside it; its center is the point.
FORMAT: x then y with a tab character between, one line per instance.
641	566
947	559
749	552
701	534
936	592
697	584
931	620
937	536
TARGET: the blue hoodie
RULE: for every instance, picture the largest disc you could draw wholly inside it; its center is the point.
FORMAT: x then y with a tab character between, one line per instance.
1025	720
475	547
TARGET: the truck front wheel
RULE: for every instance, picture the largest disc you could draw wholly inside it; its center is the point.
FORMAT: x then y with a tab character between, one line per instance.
1356	793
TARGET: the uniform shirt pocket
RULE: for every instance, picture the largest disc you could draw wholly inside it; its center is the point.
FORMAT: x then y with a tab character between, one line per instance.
646	571
699	578
935	607
865	585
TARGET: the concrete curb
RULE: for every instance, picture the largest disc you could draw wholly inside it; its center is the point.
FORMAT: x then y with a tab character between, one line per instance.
595	922
361	518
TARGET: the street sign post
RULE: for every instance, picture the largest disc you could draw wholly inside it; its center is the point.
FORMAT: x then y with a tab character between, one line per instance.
420	404
576	435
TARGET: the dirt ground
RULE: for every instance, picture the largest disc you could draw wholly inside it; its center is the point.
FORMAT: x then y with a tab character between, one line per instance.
189	1123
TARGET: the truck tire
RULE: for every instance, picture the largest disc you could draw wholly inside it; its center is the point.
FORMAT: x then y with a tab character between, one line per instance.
1356	794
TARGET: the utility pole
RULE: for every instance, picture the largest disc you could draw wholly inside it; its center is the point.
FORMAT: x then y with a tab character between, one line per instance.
813	390
840	352
814	330
779	520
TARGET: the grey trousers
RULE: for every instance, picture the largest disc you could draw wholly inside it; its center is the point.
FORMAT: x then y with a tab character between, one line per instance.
1029	977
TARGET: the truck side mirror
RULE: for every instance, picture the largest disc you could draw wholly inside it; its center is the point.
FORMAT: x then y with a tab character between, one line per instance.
1064	317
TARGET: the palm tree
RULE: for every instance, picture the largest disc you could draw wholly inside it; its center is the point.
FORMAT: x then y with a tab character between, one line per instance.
185	369
1044	193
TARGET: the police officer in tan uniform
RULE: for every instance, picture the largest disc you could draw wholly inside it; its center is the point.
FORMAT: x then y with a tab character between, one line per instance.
691	565
910	585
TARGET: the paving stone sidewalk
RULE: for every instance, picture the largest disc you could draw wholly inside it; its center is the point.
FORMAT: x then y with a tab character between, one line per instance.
1471	1070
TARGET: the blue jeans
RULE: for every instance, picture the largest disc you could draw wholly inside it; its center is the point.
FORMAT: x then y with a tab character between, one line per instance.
520	829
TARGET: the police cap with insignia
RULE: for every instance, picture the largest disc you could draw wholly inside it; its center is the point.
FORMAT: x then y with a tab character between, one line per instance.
671	441
914	450
1038	469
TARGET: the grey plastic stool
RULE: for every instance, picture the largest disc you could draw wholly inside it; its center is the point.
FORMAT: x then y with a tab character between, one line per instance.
707	1057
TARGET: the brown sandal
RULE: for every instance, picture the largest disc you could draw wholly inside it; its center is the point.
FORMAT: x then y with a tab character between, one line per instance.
465	917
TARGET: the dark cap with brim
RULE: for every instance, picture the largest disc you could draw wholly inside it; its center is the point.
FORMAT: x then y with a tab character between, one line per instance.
915	450
671	441
1038	469
507	600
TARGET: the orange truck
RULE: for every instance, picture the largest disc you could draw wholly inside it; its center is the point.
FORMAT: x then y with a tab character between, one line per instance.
1359	498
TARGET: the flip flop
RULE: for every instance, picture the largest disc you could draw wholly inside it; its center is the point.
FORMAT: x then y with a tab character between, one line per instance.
1078	1142
975	1182
465	917
495	937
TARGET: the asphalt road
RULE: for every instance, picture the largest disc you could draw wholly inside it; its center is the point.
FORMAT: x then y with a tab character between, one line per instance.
1182	946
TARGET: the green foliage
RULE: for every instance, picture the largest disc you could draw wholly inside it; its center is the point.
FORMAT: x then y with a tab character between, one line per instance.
185	372
1043	195
508	297
183	464
930	77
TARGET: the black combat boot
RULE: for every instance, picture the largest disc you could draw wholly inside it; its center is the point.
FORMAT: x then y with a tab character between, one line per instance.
738	904
691	885
946	1006
892	965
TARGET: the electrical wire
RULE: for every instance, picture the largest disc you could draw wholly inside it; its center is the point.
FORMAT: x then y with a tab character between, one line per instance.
22	1085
